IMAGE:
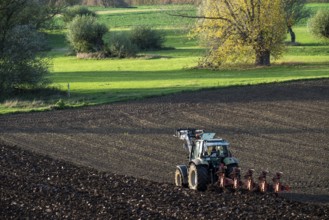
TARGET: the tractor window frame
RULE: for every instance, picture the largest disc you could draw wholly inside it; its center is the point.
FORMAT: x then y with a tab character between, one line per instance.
197	150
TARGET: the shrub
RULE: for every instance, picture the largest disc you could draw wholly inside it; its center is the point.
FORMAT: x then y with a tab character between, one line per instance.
70	13
85	34
106	3
60	104
114	3
20	66
146	38
121	46
319	24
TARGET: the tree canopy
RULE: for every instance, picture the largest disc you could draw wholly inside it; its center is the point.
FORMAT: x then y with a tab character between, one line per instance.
20	41
241	30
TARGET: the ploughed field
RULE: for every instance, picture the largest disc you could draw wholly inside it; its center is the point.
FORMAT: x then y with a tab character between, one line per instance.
275	127
38	187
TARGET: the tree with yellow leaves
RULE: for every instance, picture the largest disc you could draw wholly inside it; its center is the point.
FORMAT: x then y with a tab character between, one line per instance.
241	31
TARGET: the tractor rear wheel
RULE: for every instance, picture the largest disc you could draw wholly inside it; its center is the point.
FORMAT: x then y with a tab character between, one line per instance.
197	177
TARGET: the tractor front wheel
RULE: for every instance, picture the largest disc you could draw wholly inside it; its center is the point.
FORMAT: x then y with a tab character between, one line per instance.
179	179
197	177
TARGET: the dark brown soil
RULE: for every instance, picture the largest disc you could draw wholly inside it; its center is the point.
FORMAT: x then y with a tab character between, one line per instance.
38	187
279	127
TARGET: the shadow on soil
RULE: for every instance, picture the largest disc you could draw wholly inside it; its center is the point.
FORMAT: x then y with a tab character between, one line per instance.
300	197
68	129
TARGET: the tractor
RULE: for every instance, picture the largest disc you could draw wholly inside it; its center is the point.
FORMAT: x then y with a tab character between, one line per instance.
212	163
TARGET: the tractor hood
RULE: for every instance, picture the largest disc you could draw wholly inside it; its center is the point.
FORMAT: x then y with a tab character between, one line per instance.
231	160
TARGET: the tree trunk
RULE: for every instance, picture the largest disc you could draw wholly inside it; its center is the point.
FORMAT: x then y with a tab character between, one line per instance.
292	35
263	58
262	54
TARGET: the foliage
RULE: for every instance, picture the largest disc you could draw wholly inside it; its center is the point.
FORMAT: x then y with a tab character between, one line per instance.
319	24
20	43
147	38
20	67
121	46
240	30
77	10
39	13
294	11
85	34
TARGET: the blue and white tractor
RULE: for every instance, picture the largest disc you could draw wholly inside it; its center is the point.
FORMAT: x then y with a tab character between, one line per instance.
210	162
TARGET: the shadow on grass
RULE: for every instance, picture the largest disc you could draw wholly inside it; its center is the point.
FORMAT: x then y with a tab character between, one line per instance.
33	94
249	74
315	89
244	87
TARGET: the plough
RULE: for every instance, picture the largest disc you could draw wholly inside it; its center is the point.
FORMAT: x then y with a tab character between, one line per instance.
212	163
234	181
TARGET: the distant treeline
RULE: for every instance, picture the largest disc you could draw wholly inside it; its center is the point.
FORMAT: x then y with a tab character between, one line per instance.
318	1
125	3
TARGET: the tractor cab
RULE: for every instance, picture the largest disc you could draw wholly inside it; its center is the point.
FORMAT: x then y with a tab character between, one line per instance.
216	148
206	147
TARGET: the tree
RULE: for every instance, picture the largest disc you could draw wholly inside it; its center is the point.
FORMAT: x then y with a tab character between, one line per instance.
237	30
294	11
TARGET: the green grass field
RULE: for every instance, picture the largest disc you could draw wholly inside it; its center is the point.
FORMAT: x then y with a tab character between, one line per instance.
162	72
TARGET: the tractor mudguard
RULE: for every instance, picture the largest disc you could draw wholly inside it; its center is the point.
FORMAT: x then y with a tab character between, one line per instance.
199	162
183	170
230	160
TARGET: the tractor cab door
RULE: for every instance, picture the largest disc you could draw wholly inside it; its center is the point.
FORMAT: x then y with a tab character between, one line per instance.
196	150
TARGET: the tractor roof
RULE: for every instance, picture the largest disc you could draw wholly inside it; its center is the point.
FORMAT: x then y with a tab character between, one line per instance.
218	141
207	136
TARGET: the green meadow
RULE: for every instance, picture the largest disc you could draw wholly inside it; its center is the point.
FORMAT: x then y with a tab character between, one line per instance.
162	72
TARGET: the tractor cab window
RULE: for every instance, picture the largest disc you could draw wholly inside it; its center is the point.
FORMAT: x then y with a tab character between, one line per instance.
217	151
223	152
